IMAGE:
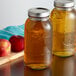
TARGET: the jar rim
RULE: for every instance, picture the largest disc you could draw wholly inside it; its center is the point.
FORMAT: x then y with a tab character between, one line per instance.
38	12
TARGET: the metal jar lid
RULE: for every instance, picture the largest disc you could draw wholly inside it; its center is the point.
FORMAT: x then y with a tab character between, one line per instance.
64	3
38	12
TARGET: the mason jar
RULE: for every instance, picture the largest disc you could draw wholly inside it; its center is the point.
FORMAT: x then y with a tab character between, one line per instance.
37	39
63	21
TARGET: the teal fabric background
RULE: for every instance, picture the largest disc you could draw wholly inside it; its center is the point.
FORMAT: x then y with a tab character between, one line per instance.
9	31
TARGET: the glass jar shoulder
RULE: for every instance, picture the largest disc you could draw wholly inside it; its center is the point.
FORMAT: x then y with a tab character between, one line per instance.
37	25
62	13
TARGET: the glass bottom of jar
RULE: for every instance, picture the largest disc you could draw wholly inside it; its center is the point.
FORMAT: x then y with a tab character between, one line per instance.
37	66
63	54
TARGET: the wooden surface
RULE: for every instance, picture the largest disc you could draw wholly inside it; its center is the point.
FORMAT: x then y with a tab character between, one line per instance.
13	68
58	67
10	57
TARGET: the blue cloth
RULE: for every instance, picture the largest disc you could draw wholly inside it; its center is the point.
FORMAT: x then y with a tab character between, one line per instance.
9	31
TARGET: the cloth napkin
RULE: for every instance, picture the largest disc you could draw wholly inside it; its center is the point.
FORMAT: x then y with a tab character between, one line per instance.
9	31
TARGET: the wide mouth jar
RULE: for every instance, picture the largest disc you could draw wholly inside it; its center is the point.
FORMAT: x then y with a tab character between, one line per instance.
64	3
39	14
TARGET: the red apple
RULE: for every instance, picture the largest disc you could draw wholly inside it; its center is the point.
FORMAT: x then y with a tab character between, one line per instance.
5	47
17	43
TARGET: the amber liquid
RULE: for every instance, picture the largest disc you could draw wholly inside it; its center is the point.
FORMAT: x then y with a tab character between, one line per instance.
63	23
37	52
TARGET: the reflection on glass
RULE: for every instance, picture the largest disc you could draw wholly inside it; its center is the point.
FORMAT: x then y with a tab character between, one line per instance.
63	66
30	72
